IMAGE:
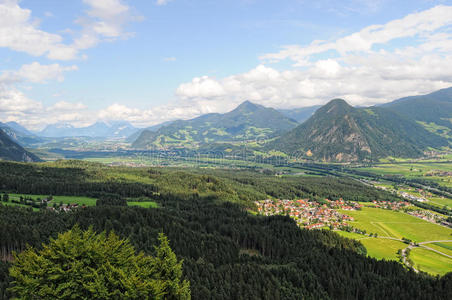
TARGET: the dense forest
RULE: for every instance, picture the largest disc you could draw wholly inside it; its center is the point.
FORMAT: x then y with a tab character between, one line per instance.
228	253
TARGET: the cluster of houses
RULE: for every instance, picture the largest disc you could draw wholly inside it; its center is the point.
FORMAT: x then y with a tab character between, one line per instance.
439	173
428	216
309	214
65	207
391	205
412	197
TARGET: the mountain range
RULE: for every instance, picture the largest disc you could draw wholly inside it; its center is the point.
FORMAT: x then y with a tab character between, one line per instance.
10	150
433	111
300	114
248	122
117	129
341	133
338	132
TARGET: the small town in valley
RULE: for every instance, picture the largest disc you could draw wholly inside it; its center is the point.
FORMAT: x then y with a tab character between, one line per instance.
310	214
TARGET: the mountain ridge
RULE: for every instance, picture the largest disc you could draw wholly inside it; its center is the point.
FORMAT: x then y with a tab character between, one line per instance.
10	150
100	129
248	121
341	133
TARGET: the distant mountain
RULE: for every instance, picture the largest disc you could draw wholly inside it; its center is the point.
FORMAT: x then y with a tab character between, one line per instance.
19	128
132	138
247	122
300	114
339	132
434	110
10	150
19	133
119	129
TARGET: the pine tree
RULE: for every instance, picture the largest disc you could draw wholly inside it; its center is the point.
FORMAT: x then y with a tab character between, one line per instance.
168	271
85	265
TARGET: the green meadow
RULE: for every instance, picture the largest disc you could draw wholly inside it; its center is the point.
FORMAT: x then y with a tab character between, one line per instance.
430	262
396	224
80	200
382	248
415	170
146	204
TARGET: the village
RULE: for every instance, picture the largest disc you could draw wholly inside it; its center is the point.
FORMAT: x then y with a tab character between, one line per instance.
310	214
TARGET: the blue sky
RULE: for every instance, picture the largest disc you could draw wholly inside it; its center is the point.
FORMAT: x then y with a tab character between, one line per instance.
151	61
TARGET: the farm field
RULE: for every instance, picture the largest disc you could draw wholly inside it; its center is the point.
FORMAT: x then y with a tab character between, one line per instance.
445	248
146	204
398	225
415	170
430	262
80	200
440	202
380	248
17	204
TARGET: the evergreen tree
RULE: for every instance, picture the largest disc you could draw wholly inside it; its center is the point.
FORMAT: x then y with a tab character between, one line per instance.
85	265
168	271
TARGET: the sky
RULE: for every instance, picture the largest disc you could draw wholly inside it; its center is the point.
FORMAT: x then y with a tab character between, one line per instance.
150	61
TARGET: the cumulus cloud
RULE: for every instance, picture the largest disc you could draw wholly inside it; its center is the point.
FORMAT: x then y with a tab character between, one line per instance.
19	32
16	106
414	25
104	21
364	68
154	115
37	73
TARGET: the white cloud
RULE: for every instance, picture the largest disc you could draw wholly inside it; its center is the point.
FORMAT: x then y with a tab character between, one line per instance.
163	2
37	73
14	102
19	32
16	106
67	106
104	21
358	71
204	87
413	25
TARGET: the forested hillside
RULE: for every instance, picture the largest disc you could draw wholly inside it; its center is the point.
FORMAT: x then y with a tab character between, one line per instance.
248	121
228	253
342	133
435	107
10	150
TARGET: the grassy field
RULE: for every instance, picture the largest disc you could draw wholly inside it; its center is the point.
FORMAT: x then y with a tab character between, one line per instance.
387	223
445	248
430	262
17	204
415	170
382	248
147	204
397	225
80	200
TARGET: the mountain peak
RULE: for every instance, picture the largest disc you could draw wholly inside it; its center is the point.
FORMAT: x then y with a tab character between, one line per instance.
336	106
247	106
